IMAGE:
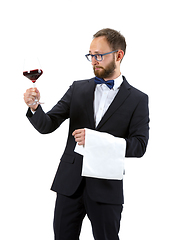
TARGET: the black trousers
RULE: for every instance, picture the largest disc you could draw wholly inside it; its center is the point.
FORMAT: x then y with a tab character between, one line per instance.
70	212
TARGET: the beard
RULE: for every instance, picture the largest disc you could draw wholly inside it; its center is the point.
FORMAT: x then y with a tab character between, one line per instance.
105	72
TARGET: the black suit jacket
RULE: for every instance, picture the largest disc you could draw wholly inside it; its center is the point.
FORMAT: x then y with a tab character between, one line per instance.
127	117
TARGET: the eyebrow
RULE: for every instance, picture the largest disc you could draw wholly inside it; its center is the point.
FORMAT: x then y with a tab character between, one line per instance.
95	52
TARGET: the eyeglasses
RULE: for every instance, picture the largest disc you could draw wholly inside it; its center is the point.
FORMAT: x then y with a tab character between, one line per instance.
98	57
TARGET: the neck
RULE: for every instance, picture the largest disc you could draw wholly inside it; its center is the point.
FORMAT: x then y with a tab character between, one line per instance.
115	75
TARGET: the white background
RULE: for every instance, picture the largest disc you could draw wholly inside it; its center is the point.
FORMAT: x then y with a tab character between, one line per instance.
59	33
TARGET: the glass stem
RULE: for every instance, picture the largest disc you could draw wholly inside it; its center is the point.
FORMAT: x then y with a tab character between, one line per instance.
34	86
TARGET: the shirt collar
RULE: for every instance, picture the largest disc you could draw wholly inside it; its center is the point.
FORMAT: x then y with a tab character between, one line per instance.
117	82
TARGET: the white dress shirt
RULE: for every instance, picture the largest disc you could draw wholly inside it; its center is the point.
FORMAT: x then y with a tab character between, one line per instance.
103	97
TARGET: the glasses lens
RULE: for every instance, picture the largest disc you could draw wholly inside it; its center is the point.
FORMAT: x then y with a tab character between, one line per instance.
98	57
88	56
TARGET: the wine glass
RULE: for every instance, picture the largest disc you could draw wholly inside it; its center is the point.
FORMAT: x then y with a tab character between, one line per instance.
32	70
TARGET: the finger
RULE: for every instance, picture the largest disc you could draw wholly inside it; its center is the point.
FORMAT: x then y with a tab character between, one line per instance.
33	94
36	90
32	90
28	98
81	143
80	137
77	131
30	101
80	134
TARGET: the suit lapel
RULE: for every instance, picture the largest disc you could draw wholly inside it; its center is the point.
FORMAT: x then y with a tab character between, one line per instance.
89	98
123	93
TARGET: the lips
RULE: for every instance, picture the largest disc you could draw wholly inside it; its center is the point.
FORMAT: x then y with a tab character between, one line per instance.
97	68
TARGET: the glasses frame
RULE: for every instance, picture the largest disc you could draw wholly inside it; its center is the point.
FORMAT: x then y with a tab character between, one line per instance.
95	55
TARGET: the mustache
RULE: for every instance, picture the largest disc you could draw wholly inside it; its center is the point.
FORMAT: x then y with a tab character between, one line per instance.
97	67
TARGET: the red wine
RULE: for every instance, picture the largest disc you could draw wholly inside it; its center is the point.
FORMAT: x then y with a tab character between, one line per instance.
33	75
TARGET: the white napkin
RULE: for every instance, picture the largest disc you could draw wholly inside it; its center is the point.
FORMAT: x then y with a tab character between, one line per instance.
103	155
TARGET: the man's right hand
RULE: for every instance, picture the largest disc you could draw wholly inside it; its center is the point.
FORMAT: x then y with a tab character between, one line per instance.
29	97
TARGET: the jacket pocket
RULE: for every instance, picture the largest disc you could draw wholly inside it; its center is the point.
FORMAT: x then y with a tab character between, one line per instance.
68	158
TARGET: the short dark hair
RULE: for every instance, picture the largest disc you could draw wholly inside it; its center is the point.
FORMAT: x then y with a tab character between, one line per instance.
114	38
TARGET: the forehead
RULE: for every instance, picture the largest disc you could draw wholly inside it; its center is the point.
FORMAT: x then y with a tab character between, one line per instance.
100	45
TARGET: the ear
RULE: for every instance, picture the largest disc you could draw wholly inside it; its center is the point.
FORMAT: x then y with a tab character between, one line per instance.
120	55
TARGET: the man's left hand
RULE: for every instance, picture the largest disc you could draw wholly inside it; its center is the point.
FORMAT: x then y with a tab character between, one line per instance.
79	136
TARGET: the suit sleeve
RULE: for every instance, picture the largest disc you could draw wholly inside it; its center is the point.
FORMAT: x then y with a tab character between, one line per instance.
138	134
50	121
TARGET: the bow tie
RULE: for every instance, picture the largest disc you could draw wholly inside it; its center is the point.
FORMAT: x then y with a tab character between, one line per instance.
109	83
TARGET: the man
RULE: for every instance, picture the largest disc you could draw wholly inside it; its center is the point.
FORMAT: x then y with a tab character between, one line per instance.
117	109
